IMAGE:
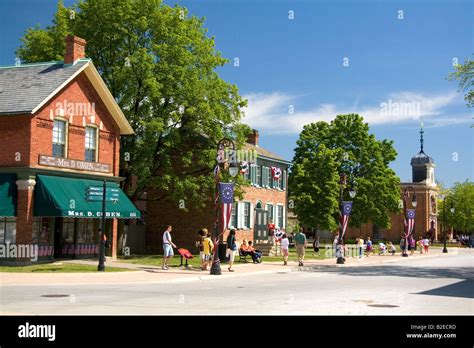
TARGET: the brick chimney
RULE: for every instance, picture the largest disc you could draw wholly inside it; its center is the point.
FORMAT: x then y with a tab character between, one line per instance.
253	137
75	49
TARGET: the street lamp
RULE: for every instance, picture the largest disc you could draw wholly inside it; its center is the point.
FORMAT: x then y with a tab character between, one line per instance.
451	209
352	194
233	168
406	195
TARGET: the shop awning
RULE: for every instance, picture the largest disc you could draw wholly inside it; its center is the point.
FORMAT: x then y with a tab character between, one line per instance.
69	197
8	194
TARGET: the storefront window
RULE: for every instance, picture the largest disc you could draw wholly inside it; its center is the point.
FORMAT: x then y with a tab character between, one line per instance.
68	231
42	227
85	231
7	230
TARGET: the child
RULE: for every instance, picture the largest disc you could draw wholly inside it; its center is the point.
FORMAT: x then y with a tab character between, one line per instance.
391	248
285	243
426	244
369	248
420	245
382	249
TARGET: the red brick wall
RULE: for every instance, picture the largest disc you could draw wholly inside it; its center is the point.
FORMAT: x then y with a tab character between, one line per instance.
24	221
15	134
78	91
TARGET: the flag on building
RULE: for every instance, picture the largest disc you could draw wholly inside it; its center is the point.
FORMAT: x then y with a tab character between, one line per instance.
276	173
345	214
244	167
226	193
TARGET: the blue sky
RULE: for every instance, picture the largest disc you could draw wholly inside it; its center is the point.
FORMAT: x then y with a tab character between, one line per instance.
333	57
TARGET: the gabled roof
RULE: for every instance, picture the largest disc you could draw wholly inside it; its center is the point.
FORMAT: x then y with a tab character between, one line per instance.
265	153
24	89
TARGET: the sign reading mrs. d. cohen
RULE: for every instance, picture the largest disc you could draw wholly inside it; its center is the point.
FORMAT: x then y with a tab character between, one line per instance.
66	163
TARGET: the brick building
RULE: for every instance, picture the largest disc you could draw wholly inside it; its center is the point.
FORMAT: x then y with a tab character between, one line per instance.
61	131
426	214
264	200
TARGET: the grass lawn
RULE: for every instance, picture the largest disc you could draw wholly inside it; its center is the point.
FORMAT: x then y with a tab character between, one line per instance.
57	268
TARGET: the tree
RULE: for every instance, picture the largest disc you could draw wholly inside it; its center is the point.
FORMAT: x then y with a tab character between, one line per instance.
462	198
324	150
464	74
159	64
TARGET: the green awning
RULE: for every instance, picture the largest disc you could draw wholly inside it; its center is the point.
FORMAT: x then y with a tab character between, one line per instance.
67	197
8	194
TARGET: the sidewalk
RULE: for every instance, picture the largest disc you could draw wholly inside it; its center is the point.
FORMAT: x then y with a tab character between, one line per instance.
154	274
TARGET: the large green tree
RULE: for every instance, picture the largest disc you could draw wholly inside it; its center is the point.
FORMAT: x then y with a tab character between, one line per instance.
160	65
462	199
344	145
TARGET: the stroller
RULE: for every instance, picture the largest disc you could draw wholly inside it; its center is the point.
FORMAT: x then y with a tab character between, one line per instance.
382	249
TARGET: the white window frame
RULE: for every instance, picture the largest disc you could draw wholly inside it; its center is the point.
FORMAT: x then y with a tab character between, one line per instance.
277	215
273	211
96	141
66	136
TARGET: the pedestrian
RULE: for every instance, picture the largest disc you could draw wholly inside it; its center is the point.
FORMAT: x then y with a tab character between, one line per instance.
340	250
301	243
334	243
360	245
168	246
208	248
412	245
369	247
391	248
231	248
403	244
316	244
271	231
426	244
285	244
200	244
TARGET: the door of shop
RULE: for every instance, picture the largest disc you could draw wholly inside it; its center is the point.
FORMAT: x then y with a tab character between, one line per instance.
260	231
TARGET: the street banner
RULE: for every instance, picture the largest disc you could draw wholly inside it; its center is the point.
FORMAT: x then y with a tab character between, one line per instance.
410	221
226	193
346	212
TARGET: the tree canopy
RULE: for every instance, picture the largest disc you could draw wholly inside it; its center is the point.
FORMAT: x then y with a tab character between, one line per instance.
462	200
344	145
160	65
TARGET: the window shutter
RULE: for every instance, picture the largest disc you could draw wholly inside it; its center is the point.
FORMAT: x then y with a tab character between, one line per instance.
284	218
251	216
239	215
264	176
284	180
253	174
275	216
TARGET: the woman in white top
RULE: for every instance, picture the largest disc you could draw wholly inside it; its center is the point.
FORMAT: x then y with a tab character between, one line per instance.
285	244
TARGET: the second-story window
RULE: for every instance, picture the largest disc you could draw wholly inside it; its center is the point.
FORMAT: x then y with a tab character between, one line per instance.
59	138
91	144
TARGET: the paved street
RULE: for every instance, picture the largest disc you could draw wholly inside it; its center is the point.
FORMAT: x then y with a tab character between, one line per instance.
443	284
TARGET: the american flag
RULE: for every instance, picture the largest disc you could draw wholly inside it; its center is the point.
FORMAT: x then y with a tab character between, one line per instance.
346	212
226	192
276	173
410	221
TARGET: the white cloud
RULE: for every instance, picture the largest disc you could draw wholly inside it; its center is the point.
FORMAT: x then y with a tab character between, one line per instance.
272	112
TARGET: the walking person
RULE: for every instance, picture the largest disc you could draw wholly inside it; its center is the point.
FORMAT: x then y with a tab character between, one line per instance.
369	249
403	245
200	245
334	244
316	245
231	248
301	243
426	245
360	245
285	244
420	245
208	248
412	245
168	246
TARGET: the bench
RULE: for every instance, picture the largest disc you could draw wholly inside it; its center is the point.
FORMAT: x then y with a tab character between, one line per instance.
242	256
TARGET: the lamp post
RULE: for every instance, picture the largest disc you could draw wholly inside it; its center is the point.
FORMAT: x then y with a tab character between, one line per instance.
406	195
352	193
451	209
223	162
